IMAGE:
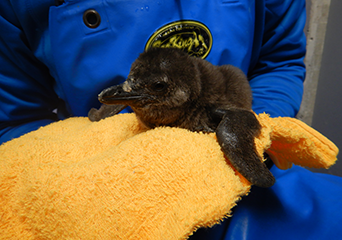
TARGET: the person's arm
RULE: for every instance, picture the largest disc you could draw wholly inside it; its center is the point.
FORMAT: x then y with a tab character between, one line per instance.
27	98
278	72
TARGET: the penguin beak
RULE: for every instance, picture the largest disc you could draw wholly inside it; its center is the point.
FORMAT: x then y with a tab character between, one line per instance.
118	95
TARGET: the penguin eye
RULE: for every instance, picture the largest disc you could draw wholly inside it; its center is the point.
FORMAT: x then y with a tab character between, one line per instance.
159	86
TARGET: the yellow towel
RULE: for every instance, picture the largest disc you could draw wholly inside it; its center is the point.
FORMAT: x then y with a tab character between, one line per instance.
112	179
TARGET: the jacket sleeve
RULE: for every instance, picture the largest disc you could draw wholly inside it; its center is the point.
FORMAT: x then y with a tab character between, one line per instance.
277	71
27	98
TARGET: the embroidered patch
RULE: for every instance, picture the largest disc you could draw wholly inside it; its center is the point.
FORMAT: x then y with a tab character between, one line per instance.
191	36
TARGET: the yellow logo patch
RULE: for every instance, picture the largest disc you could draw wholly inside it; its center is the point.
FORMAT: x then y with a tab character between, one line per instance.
190	36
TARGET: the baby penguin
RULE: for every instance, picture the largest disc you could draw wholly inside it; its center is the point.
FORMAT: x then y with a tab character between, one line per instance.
167	87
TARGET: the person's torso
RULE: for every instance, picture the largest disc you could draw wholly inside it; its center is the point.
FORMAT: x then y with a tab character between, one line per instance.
85	58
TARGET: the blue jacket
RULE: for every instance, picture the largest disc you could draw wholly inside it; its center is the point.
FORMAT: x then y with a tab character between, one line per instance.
55	60
50	59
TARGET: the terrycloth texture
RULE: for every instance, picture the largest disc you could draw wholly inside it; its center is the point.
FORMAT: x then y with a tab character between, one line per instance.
77	179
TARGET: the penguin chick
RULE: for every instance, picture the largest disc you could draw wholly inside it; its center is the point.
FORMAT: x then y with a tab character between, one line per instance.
167	87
